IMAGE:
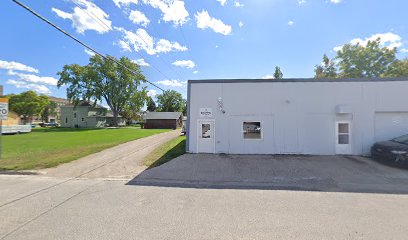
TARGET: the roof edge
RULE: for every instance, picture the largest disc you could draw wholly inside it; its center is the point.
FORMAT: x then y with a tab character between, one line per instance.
289	80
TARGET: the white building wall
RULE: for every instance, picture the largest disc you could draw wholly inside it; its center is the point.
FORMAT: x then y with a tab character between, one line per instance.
298	117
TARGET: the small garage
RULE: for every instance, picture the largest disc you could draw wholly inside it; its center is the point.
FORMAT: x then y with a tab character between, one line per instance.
163	120
294	116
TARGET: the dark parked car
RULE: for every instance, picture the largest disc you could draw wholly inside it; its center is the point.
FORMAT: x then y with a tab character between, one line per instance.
50	124
393	152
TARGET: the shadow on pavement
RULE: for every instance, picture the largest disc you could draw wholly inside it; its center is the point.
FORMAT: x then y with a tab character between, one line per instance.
277	172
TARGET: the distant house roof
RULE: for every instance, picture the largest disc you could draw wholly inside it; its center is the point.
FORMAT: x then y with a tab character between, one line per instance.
84	104
163	115
58	100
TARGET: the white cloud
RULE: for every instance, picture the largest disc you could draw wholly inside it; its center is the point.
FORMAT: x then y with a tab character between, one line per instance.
35	87
240	24
152	93
33	78
291	23
138	17
90	17
164	45
172	83
124	46
268	76
195	72
222	2
336	1
124	3
172	10
238	4
204	21
89	52
301	2
404	50
141	62
184	63
389	40
141	40
17	66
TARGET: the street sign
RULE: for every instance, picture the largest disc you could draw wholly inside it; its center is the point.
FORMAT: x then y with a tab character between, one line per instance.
3	108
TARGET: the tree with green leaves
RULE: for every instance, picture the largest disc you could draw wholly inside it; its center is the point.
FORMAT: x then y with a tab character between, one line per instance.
358	61
103	80
170	101
327	69
49	110
184	107
27	104
278	73
151	105
398	68
131	111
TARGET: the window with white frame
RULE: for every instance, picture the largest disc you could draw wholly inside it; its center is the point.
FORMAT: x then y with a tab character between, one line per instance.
343	135
205	130
252	130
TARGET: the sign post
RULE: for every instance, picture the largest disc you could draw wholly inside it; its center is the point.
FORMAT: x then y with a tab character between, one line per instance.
3	116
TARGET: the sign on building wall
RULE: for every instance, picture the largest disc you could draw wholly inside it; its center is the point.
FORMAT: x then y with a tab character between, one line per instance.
205	112
3	108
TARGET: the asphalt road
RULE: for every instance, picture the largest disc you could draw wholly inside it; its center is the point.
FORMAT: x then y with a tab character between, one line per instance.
33	207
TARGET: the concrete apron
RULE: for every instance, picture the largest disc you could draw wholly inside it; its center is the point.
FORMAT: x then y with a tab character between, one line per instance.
313	173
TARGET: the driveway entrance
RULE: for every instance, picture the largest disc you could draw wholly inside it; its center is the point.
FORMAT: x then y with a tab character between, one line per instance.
318	173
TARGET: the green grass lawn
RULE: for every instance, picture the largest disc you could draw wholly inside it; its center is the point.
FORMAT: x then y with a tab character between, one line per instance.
166	152
48	147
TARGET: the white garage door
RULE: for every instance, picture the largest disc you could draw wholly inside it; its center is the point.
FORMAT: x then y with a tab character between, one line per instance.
389	125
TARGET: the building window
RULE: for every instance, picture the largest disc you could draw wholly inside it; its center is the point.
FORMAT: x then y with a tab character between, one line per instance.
252	130
205	130
74	115
66	120
343	133
83	119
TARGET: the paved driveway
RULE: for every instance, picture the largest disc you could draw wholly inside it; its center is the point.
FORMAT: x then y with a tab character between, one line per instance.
120	162
320	173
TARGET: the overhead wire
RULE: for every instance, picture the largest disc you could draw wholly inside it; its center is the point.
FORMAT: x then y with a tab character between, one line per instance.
109	28
83	44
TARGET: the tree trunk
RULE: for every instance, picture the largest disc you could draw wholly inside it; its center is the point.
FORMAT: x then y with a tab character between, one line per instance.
115	118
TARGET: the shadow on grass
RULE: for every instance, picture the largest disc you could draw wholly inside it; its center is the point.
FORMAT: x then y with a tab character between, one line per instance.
60	129
174	152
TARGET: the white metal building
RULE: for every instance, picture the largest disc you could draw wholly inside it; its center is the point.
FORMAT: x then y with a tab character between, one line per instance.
295	116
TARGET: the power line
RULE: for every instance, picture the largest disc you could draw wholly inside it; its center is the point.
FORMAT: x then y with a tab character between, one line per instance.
99	21
78	41
88	13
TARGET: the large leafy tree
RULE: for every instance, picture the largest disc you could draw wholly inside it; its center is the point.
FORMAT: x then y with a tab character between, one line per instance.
49	110
184	107
398	68
131	111
278	73
104	80
27	104
327	69
151	105
372	60
358	61
170	101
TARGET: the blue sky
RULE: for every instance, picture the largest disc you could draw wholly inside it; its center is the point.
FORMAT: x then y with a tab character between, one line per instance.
176	40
